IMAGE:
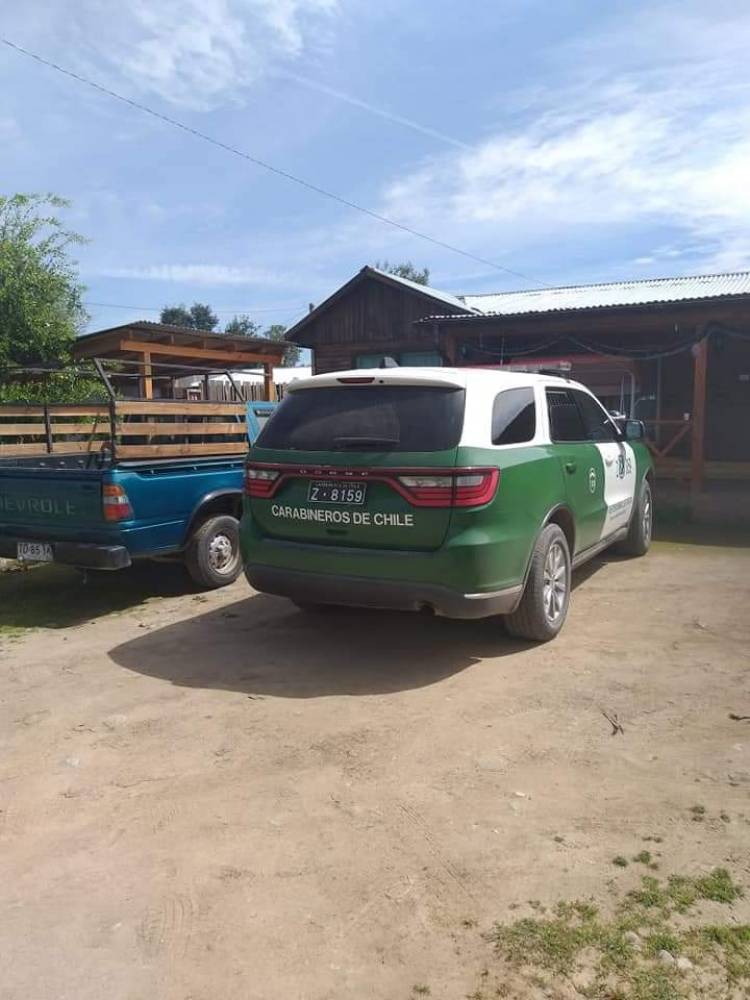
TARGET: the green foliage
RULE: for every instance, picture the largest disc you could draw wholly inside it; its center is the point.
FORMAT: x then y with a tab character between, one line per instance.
66	386
198	317
242	326
405	270
41	310
291	354
620	861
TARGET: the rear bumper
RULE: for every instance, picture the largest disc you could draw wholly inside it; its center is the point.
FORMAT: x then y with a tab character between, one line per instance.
82	554
394	595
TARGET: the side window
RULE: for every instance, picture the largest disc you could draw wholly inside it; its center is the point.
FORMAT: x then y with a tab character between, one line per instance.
565	422
596	422
514	416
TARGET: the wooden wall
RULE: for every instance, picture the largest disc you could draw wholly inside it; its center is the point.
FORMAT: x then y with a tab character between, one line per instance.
373	317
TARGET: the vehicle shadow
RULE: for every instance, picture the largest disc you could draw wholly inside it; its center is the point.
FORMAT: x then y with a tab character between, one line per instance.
60	596
265	646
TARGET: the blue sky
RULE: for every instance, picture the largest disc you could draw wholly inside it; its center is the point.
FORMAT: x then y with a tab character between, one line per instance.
569	141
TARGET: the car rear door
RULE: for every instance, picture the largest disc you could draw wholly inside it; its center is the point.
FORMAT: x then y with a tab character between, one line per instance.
359	462
581	462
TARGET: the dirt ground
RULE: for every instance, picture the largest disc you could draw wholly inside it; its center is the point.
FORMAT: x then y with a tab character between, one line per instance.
220	797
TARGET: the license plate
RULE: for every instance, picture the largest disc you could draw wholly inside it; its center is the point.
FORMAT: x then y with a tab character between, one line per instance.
336	491
34	552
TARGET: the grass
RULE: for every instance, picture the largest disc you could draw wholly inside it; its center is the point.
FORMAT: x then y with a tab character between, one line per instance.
575	936
620	861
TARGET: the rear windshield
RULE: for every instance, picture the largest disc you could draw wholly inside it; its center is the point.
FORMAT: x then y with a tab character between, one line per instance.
370	418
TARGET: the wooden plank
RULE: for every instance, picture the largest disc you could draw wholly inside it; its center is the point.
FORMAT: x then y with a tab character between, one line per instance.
21	411
14	429
37	448
181	408
677	468
178	351
130	427
698	416
102	427
180	450
63	410
70	447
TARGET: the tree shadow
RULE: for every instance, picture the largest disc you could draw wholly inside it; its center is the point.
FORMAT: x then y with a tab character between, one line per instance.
265	646
60	596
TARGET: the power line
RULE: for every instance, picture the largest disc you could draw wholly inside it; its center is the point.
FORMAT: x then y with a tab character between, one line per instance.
266	166
239	309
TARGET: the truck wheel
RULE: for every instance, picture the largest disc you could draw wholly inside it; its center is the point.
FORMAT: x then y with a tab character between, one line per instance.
213	556
544	605
637	542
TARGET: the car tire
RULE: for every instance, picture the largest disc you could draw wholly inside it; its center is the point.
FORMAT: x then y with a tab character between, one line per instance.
637	542
213	555
546	596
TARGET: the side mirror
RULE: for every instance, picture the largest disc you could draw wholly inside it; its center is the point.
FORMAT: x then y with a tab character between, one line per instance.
635	430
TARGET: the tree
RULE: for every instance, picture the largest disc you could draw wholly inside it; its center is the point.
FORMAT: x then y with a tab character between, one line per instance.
41	310
198	317
242	326
405	270
292	354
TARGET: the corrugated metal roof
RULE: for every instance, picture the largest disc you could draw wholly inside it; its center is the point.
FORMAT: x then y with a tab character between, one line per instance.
616	293
434	293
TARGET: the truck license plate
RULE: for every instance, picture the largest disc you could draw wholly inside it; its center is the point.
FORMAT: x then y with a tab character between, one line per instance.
336	491
34	552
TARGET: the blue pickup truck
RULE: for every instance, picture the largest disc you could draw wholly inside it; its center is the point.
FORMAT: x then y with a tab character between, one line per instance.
97	511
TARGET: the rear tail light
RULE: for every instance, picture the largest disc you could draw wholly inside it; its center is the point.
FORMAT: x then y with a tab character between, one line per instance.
115	503
420	487
460	488
260	482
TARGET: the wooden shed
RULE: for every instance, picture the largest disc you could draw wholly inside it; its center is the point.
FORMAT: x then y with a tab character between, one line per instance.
161	354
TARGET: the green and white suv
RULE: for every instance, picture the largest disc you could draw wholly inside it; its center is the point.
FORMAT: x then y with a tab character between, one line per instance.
465	492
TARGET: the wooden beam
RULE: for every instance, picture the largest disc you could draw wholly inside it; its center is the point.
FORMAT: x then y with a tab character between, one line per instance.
269	389
180	450
142	346
130	428
697	460
181	408
148	384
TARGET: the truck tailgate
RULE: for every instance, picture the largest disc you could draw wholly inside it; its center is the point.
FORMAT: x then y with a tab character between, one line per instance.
50	502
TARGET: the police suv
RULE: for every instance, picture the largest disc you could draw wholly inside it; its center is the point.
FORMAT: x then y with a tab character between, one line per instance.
466	492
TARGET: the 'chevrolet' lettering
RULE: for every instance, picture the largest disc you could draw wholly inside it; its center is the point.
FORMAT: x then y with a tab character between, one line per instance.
36	505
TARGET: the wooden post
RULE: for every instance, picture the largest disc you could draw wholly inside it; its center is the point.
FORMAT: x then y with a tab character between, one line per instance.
148	384
697	465
449	349
269	389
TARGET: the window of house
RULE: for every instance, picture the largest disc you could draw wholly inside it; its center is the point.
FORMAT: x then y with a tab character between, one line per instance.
514	416
420	359
409	359
565	421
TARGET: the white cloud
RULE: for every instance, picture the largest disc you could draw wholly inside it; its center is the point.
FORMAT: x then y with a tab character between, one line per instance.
193	53
665	147
210	275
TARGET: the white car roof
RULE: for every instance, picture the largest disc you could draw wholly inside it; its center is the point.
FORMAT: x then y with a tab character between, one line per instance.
481	378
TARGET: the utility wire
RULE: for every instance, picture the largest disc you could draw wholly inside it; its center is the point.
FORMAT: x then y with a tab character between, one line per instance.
242	309
266	166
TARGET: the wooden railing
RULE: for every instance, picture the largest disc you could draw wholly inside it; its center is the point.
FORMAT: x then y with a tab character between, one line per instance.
126	429
661	450
170	429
